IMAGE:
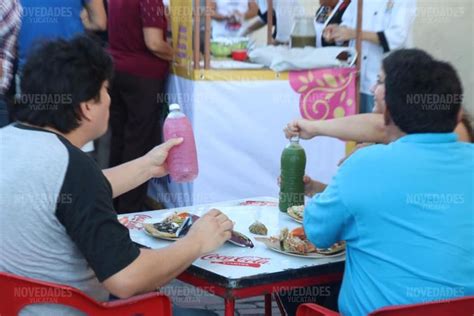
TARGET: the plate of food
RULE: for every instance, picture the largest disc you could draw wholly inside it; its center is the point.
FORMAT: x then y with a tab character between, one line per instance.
296	213
295	243
171	228
177	225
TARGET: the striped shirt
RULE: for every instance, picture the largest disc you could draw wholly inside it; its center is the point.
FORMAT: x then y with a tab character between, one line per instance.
10	13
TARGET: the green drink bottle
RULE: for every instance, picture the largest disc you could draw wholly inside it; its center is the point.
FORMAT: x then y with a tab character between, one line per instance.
293	163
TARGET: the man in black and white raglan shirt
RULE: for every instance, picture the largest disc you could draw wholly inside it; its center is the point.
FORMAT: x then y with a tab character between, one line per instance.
57	221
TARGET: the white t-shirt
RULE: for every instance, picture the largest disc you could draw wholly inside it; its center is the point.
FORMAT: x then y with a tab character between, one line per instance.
227	7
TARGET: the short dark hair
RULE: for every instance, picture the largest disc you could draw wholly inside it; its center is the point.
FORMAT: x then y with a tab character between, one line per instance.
57	77
422	95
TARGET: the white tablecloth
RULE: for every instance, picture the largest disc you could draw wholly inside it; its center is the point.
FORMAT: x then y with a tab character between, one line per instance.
231	261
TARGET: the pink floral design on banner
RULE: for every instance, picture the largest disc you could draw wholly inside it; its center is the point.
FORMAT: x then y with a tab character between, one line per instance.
325	93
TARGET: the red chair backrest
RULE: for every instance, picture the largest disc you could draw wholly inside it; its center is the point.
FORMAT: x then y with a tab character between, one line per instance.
463	306
310	309
16	292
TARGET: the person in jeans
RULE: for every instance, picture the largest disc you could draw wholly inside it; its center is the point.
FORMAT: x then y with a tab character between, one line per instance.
137	43
57	219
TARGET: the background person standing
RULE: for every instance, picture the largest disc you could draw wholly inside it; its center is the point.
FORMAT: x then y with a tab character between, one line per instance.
329	12
54	19
137	43
387	25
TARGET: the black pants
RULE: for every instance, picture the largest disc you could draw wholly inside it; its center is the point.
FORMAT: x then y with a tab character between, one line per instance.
135	121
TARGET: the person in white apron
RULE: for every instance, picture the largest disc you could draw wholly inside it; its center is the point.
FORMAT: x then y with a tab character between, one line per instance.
329	12
229	15
387	25
284	13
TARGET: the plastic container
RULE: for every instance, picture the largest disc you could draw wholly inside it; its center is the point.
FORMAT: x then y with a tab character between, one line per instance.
182	159
239	55
293	164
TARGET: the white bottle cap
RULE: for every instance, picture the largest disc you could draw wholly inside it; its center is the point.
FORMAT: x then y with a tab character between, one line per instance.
174	107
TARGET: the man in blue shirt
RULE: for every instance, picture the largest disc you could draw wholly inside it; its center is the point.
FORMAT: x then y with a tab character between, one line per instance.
404	209
54	19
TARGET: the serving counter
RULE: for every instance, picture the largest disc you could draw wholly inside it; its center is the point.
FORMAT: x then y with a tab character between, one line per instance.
238	118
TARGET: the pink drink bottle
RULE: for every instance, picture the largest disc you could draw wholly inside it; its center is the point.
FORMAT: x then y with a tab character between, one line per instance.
182	159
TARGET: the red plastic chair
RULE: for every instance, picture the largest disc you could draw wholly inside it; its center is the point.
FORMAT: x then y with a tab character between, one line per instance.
463	306
310	309
17	292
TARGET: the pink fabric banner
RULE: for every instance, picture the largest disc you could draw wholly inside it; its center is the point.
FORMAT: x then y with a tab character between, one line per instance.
325	93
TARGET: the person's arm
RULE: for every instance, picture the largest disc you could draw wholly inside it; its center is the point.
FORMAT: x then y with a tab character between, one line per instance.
85	210
311	187
325	216
130	175
360	128
155	268
252	10
216	16
96	18
155	42
254	26
393	37
346	30
152	14
343	34
9	29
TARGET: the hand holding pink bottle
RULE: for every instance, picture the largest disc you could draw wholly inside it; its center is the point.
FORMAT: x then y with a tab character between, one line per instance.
182	159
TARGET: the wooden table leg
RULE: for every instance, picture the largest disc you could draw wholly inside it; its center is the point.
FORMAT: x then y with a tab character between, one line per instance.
268	304
229	306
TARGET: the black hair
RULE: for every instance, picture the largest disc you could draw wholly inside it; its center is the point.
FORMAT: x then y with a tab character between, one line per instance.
57	77
423	95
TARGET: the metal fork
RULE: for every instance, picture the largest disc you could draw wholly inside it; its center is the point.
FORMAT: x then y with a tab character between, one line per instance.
184	228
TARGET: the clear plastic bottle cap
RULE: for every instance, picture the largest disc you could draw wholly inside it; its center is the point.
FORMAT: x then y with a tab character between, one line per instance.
295	139
174	107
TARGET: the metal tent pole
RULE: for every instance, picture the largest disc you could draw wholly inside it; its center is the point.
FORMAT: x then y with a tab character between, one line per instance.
360	6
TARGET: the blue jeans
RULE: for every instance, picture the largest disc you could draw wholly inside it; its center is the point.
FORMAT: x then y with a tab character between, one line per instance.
366	103
4	119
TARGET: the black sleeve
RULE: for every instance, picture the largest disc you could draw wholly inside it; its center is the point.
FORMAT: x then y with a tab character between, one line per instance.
383	41
263	16
85	209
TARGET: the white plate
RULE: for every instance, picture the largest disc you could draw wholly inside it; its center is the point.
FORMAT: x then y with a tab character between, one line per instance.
176	238
296	219
294	216
312	255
